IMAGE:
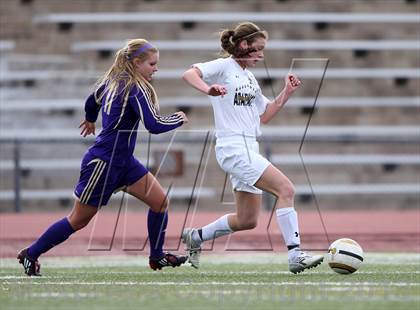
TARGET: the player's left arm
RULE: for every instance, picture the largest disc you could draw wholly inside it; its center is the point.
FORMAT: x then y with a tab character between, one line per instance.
152	120
292	83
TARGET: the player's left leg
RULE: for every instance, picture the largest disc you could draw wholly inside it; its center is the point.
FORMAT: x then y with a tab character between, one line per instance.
148	190
248	207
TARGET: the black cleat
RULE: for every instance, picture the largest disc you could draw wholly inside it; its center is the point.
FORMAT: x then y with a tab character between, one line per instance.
32	267
168	260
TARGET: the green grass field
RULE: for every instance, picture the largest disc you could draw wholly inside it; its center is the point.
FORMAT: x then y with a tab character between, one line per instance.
235	281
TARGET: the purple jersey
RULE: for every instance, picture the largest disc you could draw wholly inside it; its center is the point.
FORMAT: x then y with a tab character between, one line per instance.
121	115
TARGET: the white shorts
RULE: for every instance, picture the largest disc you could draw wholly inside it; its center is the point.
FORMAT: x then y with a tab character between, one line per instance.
239	156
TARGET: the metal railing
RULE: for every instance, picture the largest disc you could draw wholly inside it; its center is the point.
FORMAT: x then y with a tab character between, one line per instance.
334	136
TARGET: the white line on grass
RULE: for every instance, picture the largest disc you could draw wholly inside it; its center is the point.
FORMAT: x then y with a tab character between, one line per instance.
10	277
357	289
250	295
239	273
65	295
285	296
211	273
216	283
207	259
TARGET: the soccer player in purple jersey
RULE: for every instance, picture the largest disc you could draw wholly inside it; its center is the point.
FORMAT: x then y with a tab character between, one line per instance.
125	98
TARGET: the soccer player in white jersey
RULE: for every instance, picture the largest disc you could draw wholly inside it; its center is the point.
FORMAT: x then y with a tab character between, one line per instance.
239	108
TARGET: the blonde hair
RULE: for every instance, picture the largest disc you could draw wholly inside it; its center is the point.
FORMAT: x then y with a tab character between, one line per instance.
123	72
230	39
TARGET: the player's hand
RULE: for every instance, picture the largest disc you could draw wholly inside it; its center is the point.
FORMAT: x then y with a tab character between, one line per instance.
292	83
183	116
87	128
217	90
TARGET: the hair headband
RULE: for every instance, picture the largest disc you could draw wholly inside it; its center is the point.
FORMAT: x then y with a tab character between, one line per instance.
141	50
244	37
251	34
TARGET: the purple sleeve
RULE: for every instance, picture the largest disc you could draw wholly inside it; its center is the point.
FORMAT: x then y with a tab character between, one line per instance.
152	121
93	105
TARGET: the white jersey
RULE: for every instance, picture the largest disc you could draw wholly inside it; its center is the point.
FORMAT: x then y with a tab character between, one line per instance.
238	112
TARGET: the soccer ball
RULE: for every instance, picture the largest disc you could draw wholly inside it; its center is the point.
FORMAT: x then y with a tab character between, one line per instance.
345	256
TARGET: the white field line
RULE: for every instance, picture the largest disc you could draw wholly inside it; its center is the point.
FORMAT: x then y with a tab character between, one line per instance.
21	277
261	296
257	273
217	283
209	259
354	289
311	297
65	295
210	273
219	293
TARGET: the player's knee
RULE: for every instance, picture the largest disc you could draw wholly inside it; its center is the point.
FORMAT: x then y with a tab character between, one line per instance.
164	205
252	224
289	191
78	224
79	221
247	224
285	191
161	206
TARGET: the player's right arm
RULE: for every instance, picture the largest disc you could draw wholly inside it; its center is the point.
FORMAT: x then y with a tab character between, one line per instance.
194	78
92	108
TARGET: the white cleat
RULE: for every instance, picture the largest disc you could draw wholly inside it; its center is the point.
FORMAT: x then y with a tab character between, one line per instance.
304	261
193	247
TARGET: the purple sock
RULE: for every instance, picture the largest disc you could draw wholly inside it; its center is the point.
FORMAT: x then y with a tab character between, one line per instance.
54	235
156	226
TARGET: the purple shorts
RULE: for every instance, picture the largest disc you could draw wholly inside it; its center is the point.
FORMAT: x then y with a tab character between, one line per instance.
99	180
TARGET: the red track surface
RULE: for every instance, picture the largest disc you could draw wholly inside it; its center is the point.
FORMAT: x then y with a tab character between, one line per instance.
374	230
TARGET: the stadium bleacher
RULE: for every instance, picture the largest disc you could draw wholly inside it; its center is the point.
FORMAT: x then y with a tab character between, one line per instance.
293	45
332	73
368	106
30	105
6	45
231	17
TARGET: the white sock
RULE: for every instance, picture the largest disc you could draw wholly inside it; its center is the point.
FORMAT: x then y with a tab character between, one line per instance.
218	228
196	236
289	227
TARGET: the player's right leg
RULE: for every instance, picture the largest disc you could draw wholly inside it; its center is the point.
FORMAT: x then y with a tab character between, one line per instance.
54	235
192	240
246	217
275	182
31	266
245	166
90	193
